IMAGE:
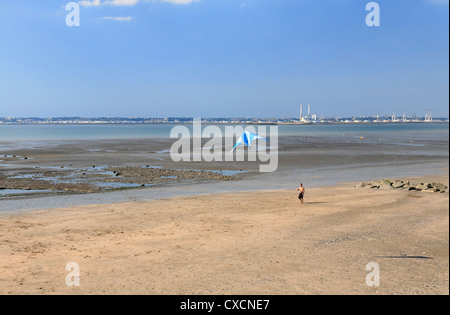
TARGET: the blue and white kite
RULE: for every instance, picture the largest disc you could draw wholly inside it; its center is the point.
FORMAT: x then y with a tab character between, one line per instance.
247	138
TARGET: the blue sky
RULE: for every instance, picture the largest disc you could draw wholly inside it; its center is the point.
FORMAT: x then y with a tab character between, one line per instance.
223	58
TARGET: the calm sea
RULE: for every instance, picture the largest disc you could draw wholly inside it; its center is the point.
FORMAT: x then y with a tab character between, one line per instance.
60	133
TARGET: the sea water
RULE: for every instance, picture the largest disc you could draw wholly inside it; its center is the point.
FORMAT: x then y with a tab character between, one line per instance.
32	133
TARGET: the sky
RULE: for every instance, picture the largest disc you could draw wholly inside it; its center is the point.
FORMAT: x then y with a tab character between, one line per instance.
223	58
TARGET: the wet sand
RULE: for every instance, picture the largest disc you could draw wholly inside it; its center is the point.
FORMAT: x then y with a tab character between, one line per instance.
294	152
72	167
243	243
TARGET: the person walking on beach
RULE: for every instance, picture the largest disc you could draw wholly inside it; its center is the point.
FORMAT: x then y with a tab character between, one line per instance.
301	189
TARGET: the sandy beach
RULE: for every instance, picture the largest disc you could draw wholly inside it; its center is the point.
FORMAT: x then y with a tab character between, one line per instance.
242	243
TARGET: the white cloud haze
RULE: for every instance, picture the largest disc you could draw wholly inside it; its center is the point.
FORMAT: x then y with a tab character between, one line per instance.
98	3
119	18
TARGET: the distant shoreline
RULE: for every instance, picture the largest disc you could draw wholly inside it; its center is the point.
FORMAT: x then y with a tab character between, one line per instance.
227	123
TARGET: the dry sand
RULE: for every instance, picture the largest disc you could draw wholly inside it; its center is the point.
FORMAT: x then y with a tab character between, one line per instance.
245	243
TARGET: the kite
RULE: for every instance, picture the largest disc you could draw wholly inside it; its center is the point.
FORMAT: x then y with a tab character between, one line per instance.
247	138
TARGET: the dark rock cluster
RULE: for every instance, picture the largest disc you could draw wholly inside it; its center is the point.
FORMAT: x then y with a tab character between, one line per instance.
158	175
404	185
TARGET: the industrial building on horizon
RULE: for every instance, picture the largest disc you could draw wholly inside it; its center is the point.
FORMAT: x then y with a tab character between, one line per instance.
310	118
